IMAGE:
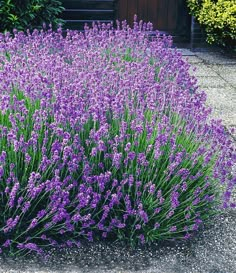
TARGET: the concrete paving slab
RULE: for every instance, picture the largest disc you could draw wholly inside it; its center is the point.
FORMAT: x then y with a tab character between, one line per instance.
224	69
186	52
202	70
215	58
229	78
223	103
228	118
216	81
193	59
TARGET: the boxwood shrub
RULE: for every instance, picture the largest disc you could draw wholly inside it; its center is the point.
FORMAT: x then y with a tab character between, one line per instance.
218	17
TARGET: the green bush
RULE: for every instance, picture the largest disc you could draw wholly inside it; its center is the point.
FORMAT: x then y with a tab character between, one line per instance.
218	17
28	14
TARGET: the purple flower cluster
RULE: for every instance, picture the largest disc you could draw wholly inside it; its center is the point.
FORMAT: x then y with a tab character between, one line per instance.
104	134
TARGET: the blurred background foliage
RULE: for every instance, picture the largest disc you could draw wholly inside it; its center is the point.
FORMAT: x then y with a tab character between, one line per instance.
29	14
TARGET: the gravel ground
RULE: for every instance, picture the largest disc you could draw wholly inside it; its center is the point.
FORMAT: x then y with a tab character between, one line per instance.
213	250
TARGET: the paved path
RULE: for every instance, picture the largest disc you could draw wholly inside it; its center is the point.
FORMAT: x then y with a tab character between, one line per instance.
213	251
216	75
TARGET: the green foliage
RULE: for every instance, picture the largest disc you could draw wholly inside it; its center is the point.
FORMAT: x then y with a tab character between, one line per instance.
29	14
139	144
218	17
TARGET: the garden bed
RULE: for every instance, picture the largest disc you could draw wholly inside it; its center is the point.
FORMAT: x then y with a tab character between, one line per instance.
105	136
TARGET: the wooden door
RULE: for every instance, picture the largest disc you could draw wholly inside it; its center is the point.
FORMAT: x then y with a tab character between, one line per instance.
170	16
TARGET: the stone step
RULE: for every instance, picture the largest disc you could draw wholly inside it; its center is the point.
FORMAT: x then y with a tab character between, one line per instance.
79	12
88	14
88	4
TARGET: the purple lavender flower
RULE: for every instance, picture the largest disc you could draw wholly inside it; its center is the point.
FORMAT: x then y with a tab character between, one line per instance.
196	201
174	199
104	234
143	216
26	206
11	223
3	157
117	160
33	224
173	229
7	243
157	210
12	194
170	214
138	226
142	239
152	189
187	236
1	172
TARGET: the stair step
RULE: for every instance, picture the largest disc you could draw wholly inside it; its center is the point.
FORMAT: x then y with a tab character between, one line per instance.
86	14
88	4
79	12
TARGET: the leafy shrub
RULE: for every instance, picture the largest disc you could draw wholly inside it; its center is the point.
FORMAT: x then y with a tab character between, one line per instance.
28	14
218	17
104	135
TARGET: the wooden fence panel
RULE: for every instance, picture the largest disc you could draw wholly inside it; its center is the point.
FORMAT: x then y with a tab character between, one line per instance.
166	15
142	9
132	9
172	9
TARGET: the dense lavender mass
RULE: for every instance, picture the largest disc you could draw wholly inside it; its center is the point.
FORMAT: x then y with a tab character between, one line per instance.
104	134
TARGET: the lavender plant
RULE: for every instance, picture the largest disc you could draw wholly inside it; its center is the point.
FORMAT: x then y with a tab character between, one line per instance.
105	135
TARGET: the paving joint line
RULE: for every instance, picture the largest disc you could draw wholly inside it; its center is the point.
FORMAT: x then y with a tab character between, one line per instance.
218	73
209	65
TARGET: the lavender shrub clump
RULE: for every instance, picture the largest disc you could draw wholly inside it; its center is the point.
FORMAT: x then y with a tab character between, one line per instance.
105	135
